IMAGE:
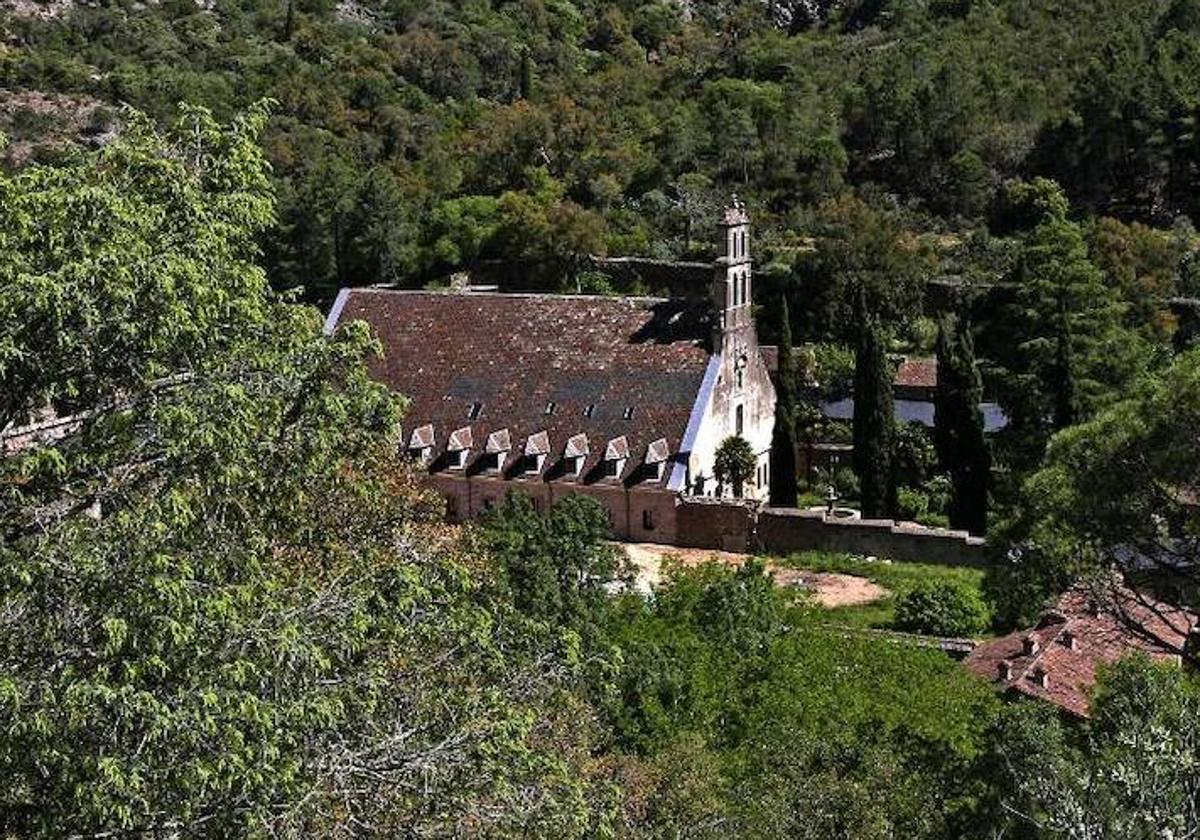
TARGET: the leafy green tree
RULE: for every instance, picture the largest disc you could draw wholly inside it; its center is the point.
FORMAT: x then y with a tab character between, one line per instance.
1116	492
865	272
220	607
1130	772
874	423
734	464
958	426
557	568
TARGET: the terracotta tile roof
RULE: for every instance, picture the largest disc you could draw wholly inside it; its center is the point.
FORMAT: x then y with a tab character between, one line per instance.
1089	627
917	373
528	365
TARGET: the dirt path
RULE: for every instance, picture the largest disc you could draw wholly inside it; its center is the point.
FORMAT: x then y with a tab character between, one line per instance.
830	589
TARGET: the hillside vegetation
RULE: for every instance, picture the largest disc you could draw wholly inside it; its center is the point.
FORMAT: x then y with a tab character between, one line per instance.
414	137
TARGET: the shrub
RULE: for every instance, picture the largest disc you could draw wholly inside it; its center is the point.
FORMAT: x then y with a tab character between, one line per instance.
846	483
912	505
942	609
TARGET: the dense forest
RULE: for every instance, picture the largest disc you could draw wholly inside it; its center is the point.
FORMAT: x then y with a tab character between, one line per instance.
226	607
414	138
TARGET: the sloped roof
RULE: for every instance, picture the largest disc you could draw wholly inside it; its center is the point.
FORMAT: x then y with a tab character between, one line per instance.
521	356
917	373
911	372
1087	628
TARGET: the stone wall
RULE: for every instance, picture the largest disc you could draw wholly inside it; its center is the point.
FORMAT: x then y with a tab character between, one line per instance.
723	525
656	515
784	530
639	514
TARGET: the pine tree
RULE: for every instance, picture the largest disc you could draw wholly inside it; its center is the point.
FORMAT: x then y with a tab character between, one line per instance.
1067	353
874	421
783	447
958	426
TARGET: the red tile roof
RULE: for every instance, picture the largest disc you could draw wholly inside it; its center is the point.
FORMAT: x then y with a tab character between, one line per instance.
910	373
1089	627
917	373
564	365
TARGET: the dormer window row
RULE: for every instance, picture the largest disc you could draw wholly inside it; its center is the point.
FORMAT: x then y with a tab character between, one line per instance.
536	452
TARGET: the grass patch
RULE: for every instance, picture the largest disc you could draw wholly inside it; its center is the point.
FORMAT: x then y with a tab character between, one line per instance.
897	577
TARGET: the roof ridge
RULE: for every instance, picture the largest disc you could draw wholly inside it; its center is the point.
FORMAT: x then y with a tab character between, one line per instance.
1043	644
468	293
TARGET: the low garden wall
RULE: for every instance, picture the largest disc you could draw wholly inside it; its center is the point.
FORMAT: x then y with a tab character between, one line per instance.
740	526
785	530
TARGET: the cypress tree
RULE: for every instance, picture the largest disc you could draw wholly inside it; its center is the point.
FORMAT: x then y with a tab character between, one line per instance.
958	426
874	421
783	447
525	82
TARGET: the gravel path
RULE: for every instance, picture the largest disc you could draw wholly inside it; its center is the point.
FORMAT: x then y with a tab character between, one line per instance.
830	589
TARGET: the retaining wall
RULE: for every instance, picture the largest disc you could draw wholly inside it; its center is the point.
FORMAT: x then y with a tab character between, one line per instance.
705	523
784	530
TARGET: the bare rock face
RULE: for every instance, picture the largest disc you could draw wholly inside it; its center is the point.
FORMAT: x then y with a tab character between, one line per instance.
34	122
798	15
44	9
792	15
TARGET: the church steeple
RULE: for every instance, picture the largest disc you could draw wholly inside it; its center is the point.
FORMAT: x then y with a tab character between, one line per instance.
733	281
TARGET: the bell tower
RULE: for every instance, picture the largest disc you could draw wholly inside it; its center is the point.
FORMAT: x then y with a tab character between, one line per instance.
733	283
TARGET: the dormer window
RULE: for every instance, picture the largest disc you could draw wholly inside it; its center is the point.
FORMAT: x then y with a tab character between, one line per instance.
458	447
655	461
537	447
499	444
420	443
575	455
616	455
